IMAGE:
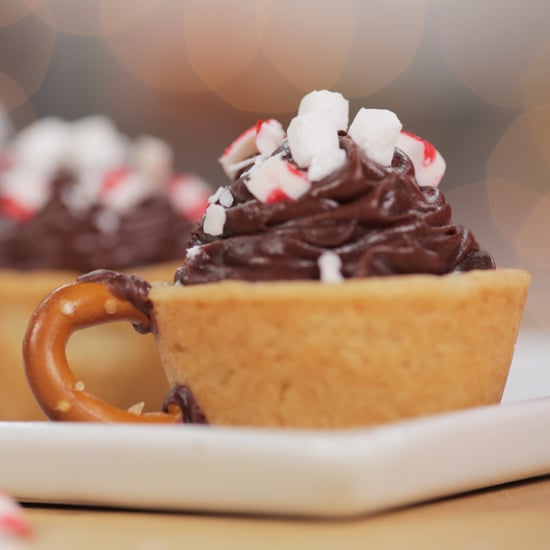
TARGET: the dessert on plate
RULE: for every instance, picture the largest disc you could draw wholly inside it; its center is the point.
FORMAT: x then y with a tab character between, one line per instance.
326	286
76	196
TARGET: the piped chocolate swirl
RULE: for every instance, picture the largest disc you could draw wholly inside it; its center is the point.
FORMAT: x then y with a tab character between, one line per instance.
376	219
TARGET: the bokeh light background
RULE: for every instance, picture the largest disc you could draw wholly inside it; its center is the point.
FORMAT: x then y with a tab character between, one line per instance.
472	76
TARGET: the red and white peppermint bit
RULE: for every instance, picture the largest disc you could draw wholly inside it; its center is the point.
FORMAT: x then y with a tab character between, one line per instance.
223	196
43	146
331	103
261	139
96	146
429	165
189	194
123	190
310	135
214	220
239	151
152	157
12	520
269	136
323	165
14	210
276	179
330	267
23	191
376	132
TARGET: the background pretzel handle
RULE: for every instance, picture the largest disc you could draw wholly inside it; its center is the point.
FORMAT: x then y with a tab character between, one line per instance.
69	308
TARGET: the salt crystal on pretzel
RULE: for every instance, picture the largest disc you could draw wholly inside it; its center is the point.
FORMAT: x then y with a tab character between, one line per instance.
311	135
277	179
12	521
429	165
214	220
376	132
332	103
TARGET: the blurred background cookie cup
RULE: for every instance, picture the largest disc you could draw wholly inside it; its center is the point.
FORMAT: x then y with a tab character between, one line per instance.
77	196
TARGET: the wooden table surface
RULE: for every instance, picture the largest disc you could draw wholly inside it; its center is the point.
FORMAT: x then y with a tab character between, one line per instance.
512	516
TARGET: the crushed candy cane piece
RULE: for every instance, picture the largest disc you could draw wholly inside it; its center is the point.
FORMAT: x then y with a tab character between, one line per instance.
330	267
43	146
429	165
226	198
193	251
214	220
14	210
96	146
269	136
261	139
323	165
276	179
152	157
310	135
24	191
122	190
376	132
189	194
12	520
333	103
241	149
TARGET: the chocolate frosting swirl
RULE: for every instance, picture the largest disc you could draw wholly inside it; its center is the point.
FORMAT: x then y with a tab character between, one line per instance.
59	237
377	219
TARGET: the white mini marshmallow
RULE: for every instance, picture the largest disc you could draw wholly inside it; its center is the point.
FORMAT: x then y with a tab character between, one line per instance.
96	146
323	165
376	132
152	157
43	146
276	178
330	102
214	220
429	165
269	136
236	156
330	267
311	135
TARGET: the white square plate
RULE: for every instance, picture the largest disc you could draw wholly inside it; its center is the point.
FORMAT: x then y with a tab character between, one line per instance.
311	473
335	473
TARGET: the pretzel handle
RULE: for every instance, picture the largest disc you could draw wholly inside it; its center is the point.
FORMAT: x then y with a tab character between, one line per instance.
73	307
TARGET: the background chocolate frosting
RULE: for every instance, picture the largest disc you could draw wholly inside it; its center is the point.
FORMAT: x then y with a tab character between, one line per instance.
377	219
59	237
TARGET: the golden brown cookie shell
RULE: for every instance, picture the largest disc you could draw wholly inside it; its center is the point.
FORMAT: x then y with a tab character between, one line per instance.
307	354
